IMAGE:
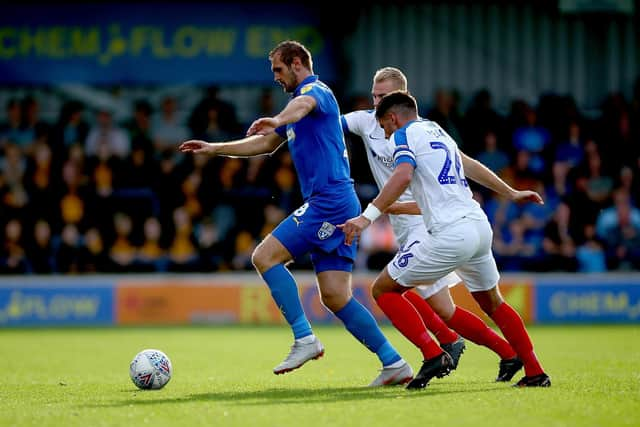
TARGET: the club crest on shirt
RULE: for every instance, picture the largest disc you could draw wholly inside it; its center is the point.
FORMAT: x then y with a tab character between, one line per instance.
326	230
306	88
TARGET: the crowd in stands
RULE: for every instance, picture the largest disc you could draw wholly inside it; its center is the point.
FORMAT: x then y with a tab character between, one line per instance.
87	194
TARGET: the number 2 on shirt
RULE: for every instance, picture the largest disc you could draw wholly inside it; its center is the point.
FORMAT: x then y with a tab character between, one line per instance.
443	177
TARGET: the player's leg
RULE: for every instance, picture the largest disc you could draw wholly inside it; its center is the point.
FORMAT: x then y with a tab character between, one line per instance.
270	258
433	322
389	296
334	282
513	329
481	276
473	328
449	340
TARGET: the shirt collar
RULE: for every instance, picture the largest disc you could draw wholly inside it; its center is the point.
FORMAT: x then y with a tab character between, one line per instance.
311	79
409	123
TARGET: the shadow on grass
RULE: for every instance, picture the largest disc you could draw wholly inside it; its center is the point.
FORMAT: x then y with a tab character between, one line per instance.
279	396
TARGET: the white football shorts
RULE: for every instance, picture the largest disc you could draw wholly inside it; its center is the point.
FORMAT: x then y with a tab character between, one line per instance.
464	246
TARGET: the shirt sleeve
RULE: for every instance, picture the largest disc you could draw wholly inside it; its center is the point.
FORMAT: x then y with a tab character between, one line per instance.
282	131
353	122
316	92
403	153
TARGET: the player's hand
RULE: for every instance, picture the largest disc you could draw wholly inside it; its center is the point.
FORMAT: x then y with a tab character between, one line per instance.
353	228
197	146
263	126
527	196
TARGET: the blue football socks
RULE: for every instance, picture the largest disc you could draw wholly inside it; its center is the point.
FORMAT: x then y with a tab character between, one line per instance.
284	291
362	325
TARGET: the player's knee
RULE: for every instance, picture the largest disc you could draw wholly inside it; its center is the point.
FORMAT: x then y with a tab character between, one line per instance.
489	300
377	290
260	259
334	301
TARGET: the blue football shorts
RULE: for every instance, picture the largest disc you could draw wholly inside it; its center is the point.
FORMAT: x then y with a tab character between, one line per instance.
312	228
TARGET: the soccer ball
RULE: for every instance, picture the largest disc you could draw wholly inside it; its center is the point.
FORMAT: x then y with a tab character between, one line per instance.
150	369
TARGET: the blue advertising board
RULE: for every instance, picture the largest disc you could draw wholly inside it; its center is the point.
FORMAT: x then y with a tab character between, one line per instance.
56	305
587	302
153	43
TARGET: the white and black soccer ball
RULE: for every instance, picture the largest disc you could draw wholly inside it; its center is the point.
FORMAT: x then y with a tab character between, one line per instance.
150	369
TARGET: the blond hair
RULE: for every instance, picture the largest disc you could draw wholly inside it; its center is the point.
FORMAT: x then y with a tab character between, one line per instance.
393	74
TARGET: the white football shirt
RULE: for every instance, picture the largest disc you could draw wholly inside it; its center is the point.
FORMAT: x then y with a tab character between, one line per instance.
439	185
380	157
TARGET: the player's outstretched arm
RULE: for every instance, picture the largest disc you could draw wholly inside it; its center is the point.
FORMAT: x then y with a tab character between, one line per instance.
293	112
404	208
394	187
483	175
245	147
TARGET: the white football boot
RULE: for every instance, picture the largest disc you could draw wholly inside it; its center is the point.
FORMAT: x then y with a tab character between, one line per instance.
300	354
393	376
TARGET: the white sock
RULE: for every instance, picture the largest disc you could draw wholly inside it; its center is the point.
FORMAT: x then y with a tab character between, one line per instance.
306	340
396	364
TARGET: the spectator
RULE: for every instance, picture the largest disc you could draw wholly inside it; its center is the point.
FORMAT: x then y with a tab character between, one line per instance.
151	256
534	139
444	113
107	139
13	257
491	156
122	253
571	151
11	130
558	244
211	105
92	253
41	256
68	252
167	129
481	118
619	228
590	253
183	255
71	128
139	128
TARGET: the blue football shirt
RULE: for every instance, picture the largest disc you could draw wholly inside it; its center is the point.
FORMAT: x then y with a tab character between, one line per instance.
317	147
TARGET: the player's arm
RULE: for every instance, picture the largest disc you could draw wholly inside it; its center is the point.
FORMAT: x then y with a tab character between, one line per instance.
484	176
403	208
295	110
393	188
245	147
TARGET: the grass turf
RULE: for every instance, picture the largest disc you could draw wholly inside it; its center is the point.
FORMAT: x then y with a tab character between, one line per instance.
222	377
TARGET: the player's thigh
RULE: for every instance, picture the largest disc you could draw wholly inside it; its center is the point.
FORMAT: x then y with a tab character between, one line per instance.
480	272
269	253
448	281
425	262
385	283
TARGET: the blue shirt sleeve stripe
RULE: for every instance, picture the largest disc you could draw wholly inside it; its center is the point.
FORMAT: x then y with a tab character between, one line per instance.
403	154
406	159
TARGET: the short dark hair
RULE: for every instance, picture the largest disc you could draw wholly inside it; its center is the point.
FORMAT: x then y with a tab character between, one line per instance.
290	49
398	100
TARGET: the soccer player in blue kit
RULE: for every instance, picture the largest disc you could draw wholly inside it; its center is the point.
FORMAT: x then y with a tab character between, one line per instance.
311	124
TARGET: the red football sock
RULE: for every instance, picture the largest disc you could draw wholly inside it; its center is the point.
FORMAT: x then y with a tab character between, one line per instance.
407	320
512	327
474	329
431	320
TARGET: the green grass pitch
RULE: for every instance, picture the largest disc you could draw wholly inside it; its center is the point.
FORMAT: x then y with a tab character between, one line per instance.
222	377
